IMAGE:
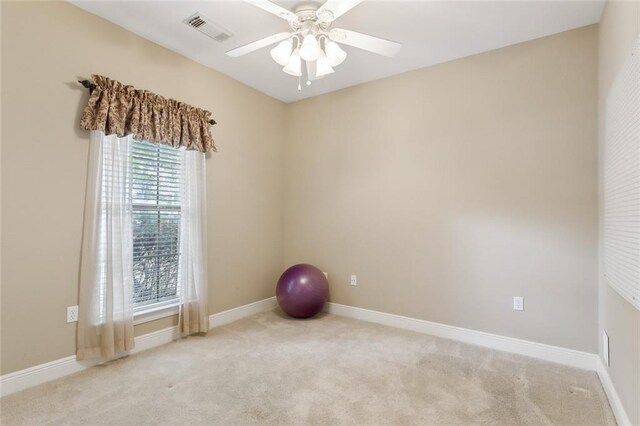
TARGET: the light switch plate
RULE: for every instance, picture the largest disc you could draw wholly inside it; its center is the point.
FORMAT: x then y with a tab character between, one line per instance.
518	303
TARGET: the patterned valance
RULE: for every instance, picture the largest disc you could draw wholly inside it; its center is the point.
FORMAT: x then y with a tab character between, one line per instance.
124	110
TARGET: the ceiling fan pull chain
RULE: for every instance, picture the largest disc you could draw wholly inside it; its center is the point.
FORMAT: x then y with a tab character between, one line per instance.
299	86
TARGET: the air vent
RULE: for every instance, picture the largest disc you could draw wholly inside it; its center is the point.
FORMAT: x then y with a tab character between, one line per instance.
207	27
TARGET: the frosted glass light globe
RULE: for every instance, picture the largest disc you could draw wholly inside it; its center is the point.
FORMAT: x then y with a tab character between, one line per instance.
322	66
294	66
335	54
310	50
282	52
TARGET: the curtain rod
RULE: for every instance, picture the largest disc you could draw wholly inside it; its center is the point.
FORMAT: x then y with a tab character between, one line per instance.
89	85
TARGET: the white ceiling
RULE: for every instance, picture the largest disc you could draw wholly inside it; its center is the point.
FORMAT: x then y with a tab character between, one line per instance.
431	32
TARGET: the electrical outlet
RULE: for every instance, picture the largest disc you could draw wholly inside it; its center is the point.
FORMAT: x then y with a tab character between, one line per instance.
354	280
605	347
518	303
72	313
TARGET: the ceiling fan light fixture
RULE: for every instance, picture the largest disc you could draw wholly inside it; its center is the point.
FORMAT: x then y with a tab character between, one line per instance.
310	50
335	55
322	66
294	66
282	52
316	42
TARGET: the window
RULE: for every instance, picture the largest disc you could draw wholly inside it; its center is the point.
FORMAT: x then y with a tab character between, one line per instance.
622	181
156	173
144	236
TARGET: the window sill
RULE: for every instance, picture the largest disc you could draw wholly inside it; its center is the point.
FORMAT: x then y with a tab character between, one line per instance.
152	313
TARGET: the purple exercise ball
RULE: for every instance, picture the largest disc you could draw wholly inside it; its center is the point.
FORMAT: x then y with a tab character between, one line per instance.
302	291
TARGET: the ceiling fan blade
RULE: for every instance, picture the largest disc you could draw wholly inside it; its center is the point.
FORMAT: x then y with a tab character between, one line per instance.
275	9
365	42
259	44
333	9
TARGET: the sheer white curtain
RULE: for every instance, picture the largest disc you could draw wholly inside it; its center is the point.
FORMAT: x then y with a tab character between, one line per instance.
105	320
192	281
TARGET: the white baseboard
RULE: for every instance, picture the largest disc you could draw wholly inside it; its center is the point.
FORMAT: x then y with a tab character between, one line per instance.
29	377
23	379
542	351
614	399
231	315
155	339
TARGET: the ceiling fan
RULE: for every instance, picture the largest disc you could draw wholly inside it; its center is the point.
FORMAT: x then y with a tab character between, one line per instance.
313	40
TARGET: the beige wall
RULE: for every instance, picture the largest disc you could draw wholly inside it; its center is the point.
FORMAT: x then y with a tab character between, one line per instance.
619	27
46	47
449	190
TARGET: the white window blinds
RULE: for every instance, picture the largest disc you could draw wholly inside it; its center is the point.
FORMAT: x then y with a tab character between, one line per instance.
156	179
622	181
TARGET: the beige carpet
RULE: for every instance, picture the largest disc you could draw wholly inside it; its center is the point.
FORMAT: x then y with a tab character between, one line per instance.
269	369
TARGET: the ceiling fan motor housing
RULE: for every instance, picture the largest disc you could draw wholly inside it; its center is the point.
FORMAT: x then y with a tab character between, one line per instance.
306	11
308	22
309	27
